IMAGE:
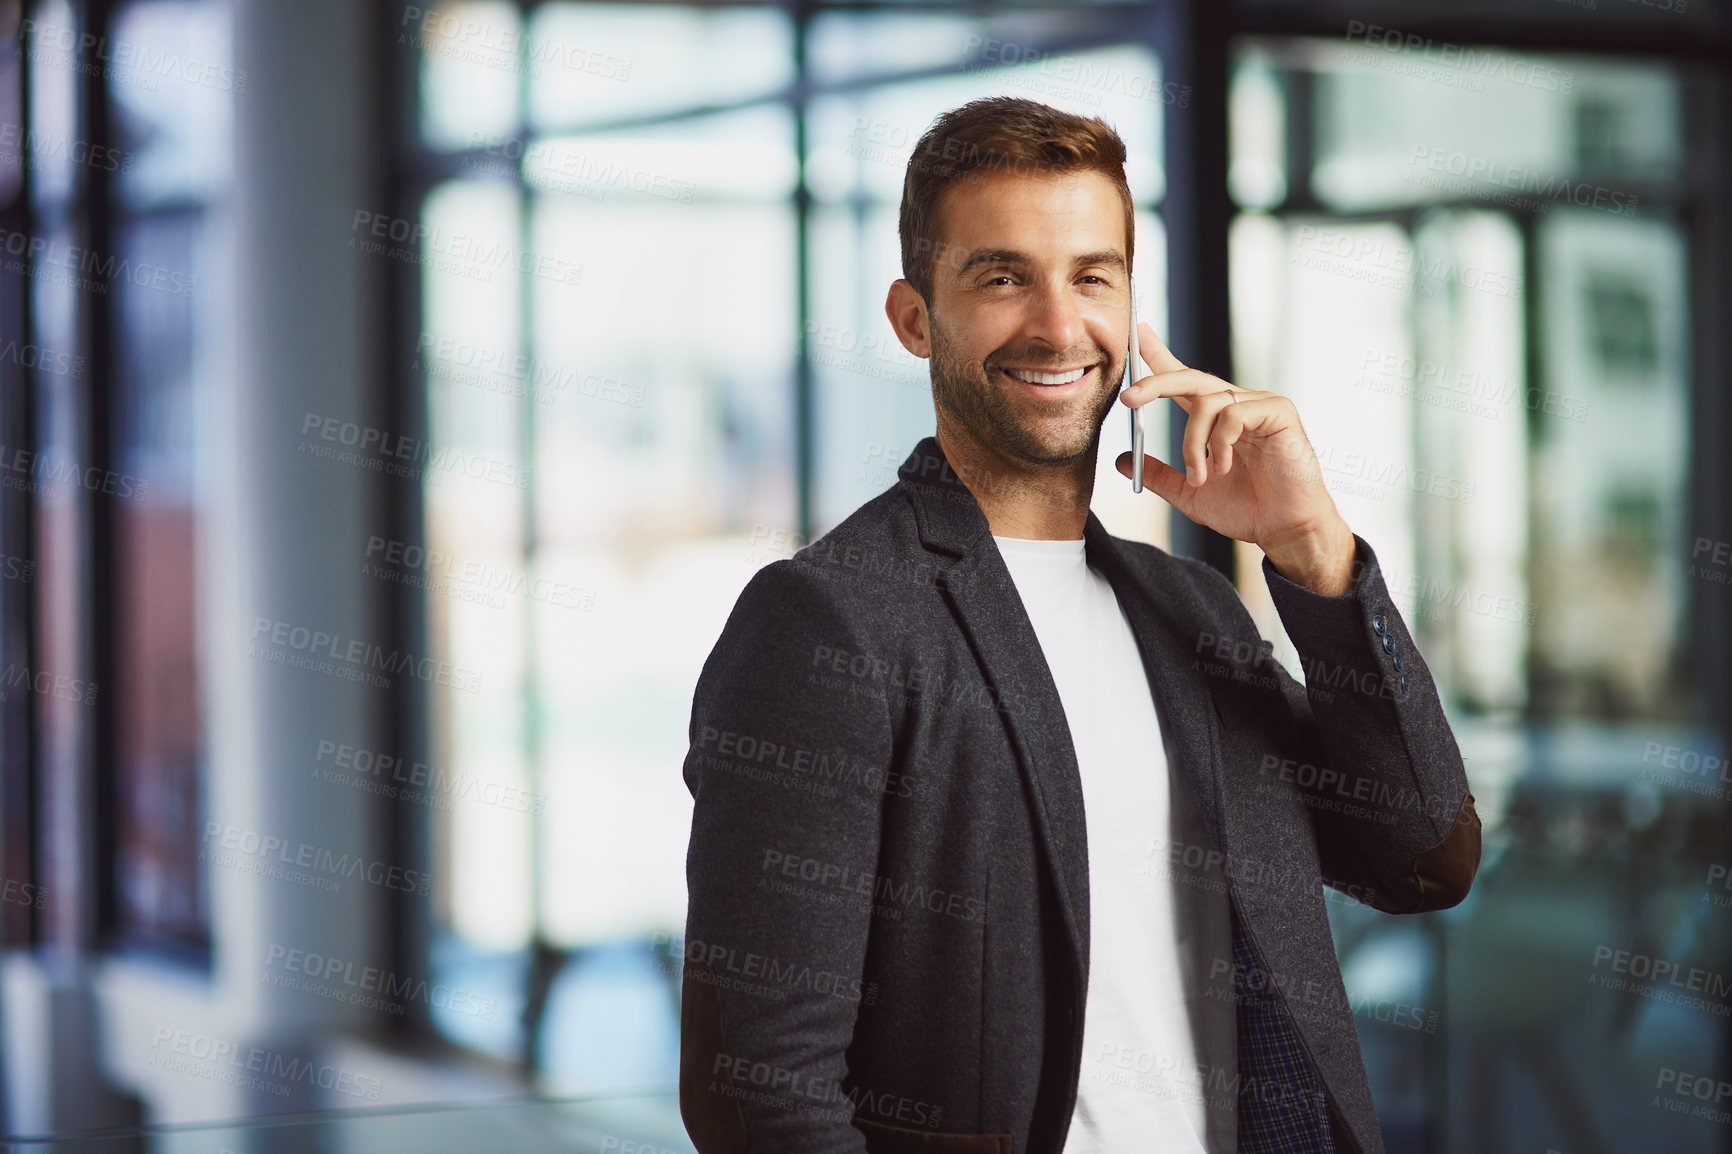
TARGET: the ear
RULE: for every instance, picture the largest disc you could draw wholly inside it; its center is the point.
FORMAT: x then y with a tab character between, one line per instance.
907	313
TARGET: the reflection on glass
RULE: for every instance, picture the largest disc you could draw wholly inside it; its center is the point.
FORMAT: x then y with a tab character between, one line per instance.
1486	333
664	458
648	400
1465	380
1524	131
845	46
1257	127
474	523
172	84
53	109
657	455
14	151
592	63
17	854
173	124
471	68
860	141
59	556
1610	468
162	394
745	155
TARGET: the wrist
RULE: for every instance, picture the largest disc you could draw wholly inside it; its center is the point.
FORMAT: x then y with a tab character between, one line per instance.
1320	559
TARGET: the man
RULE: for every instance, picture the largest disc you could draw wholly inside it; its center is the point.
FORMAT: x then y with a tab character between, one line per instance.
1008	834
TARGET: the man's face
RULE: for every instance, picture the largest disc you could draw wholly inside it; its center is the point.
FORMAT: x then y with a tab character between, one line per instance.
1030	312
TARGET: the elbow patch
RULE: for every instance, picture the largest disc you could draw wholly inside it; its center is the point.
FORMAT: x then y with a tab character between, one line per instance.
1445	872
714	1121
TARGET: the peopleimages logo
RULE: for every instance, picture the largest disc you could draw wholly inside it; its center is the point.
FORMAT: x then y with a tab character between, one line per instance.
40	474
1479	170
46	684
221	1060
351	658
30	146
446	30
1409	53
465	254
325	865
132	64
393	776
35	254
339	979
384	451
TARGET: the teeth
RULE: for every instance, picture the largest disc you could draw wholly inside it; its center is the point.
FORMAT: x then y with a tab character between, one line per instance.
1035	378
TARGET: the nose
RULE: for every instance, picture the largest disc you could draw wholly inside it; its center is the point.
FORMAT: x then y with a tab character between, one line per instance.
1054	319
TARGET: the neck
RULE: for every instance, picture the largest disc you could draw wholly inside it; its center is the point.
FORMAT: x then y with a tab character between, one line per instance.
1038	502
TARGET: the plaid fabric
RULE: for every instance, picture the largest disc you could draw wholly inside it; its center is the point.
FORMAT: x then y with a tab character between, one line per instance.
1281	1102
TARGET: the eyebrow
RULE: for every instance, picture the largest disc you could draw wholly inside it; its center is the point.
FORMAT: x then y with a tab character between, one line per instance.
1110	257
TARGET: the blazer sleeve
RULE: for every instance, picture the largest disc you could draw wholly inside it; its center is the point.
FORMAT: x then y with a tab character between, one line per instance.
1366	739
786	768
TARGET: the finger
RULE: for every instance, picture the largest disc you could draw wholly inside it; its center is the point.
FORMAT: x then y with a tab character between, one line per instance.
1139	393
1180	384
1155	352
1263	423
1188	402
1228	426
1198	427
1167	482
1262	415
1184	384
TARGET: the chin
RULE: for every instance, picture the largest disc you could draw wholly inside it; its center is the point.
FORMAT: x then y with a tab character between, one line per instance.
1055	451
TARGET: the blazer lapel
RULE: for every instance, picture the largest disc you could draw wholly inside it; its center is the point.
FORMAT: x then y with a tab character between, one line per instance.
989	609
1267	923
986	603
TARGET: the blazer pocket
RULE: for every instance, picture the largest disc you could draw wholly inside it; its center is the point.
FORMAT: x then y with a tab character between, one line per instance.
883	1138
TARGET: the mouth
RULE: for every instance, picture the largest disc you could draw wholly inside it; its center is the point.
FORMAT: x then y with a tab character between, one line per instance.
1054	384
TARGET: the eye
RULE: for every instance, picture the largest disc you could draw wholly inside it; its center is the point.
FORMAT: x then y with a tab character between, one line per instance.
1000	277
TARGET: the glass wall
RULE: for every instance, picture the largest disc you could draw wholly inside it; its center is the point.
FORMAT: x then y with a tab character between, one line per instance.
632	466
172	326
114	137
17	566
1472	273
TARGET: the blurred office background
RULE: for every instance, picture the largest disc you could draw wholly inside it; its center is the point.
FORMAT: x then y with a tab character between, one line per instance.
394	399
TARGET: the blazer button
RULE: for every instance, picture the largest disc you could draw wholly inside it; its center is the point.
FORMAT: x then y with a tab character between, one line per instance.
1404	683
1377	625
1388	643
1396	661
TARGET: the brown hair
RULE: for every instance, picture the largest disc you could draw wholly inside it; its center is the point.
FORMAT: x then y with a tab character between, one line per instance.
998	134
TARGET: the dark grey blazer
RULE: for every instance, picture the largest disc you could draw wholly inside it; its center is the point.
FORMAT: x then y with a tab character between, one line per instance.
887	943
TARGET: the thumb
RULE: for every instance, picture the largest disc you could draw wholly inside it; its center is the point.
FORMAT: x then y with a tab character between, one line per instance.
1167	482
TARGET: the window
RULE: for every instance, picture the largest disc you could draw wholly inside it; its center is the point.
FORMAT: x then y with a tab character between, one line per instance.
18	799
643	463
169	327
112	174
1476	282
1472	275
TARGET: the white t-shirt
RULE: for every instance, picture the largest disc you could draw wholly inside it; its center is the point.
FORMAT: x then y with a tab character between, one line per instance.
1148	1035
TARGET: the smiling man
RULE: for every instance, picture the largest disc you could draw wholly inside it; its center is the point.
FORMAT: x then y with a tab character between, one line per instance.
1008	834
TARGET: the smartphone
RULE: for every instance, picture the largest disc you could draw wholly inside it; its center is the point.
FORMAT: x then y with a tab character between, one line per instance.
1136	414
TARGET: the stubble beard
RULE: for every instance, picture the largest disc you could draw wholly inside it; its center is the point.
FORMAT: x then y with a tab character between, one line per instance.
962	390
